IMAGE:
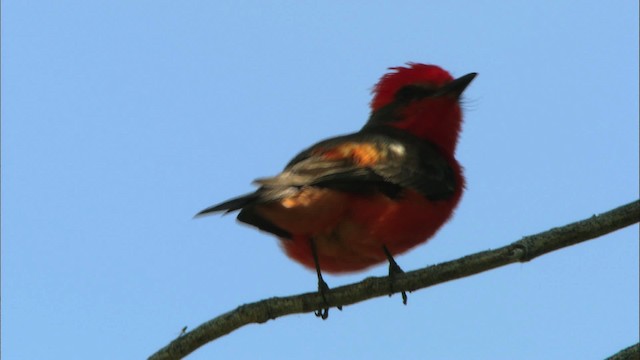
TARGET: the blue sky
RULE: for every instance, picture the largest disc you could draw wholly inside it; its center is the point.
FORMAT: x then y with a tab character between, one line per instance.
122	119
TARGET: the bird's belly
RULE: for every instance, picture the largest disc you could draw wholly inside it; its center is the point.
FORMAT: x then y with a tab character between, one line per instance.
350	234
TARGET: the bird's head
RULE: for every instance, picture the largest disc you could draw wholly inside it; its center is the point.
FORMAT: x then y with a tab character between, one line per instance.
421	99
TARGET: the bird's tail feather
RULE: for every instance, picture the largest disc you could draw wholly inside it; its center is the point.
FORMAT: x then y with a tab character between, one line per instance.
230	205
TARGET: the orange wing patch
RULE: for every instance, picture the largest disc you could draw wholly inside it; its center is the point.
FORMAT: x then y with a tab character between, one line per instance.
363	154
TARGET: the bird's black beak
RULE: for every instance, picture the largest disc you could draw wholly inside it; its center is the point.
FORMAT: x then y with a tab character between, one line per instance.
457	86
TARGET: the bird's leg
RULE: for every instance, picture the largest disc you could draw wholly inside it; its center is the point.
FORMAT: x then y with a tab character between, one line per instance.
394	269
323	288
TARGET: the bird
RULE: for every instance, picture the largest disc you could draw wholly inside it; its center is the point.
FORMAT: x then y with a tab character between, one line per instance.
353	201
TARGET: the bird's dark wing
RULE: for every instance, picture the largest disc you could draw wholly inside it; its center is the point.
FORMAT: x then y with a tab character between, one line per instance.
363	163
386	160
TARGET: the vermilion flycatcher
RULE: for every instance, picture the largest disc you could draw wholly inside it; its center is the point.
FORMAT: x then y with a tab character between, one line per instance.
353	201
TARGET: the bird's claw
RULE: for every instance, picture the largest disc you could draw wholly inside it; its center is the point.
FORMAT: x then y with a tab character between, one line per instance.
323	289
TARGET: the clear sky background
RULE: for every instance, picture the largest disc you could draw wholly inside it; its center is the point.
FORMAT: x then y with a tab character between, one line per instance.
122	119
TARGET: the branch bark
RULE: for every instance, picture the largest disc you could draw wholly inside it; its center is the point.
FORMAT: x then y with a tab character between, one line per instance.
523	250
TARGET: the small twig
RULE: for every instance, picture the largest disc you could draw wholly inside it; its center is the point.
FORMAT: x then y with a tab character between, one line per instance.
523	250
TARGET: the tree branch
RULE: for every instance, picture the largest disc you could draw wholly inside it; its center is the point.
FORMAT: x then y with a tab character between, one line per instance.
523	250
630	353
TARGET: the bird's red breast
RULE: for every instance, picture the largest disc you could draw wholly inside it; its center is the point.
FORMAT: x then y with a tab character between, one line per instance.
349	229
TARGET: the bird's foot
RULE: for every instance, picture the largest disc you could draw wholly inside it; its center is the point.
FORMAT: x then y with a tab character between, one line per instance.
323	289
394	270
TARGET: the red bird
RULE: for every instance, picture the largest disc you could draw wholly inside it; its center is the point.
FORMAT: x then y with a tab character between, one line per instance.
354	201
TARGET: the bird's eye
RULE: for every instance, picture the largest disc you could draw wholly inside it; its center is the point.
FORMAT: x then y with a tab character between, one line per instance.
414	92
